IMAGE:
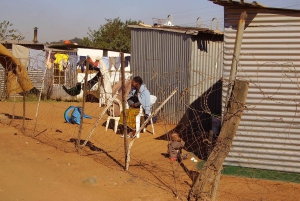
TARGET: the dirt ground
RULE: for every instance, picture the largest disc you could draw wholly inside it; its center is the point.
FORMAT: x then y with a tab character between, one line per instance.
44	165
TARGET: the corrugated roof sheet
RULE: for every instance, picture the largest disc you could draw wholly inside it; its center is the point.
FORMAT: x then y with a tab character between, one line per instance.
73	47
178	29
19	42
244	3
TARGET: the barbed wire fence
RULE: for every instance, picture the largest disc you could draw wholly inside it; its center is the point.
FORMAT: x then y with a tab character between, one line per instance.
148	156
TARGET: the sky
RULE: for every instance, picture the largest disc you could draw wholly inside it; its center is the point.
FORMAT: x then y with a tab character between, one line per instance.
65	19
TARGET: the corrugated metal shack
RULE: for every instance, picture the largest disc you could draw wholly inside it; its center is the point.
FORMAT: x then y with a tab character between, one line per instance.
268	136
187	58
35	75
53	89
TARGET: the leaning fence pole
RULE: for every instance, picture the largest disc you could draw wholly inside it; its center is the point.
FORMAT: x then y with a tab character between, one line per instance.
124	99
109	103
38	106
204	187
143	126
24	110
14	106
83	101
236	55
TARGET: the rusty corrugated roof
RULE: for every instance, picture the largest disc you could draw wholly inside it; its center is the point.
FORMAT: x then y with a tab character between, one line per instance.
244	3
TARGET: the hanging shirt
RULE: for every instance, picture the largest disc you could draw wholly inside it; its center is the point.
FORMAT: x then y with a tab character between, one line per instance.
73	61
118	62
61	59
96	63
112	62
106	62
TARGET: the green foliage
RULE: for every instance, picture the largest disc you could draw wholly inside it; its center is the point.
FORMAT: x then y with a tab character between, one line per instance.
9	34
114	35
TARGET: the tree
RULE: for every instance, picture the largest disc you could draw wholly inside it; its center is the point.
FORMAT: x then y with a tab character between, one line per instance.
114	35
9	34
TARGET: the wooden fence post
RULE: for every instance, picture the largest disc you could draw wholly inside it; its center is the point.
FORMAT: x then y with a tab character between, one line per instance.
83	101
204	186
124	98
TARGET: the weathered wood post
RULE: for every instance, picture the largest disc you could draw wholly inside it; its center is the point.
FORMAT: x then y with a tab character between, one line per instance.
203	188
124	98
83	101
236	54
24	111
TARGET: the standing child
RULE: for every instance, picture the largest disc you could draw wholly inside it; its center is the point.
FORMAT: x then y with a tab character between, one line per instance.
175	146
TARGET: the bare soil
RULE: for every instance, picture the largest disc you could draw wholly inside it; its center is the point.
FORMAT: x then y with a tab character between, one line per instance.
42	164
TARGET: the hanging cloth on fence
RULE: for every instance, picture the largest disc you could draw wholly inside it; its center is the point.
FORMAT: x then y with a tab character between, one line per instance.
37	58
112	62
17	77
73	61
74	91
21	53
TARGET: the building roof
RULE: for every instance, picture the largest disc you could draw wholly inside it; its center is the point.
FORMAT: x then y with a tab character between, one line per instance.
20	42
72	47
178	29
254	4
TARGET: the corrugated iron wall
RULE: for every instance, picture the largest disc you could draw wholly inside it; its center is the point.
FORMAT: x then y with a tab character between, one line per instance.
36	77
268	136
205	96
2	82
162	59
168	60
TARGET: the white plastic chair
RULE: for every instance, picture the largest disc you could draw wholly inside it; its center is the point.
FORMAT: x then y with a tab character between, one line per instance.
141	114
112	115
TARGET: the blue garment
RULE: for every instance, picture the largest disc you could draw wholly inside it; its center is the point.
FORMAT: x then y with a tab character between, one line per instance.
118	62
81	64
37	59
75	116
106	62
143	96
73	61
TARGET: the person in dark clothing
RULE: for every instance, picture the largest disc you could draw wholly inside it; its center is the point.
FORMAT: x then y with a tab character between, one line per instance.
175	146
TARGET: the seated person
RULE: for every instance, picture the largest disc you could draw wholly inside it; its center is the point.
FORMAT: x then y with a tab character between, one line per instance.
138	96
118	88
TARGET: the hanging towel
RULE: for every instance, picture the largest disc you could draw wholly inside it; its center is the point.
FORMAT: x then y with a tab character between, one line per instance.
73	61
105	88
106	62
118	63
48	63
60	59
112	62
21	53
37	58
